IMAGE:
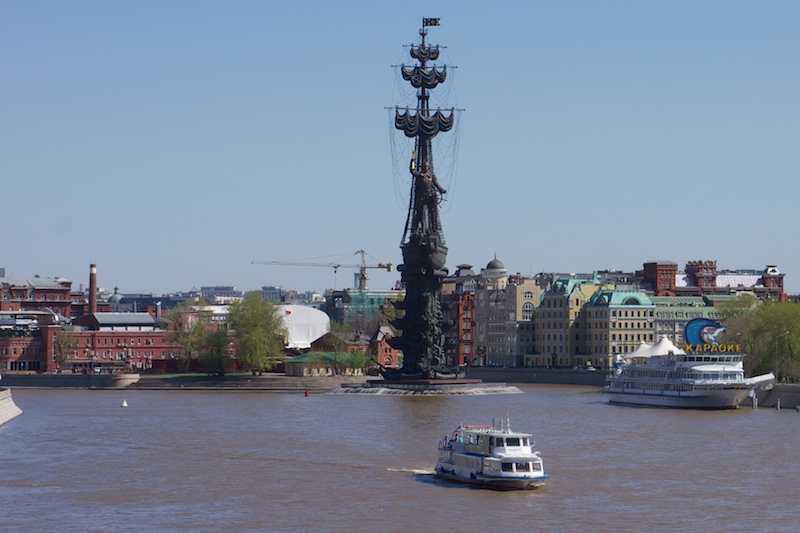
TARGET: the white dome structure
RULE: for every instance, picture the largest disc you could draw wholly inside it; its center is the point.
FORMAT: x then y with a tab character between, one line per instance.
304	325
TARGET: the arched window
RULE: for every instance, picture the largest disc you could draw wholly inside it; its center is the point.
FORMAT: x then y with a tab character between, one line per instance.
527	311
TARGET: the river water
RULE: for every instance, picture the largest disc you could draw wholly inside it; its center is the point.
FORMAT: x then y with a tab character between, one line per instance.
75	460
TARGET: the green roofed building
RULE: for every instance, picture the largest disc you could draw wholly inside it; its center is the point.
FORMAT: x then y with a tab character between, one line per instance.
617	322
673	312
326	364
560	329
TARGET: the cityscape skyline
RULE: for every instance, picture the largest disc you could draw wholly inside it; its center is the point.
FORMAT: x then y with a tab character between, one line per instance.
173	144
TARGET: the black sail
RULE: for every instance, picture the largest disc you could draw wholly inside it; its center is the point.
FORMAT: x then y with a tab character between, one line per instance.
425	53
414	125
425	78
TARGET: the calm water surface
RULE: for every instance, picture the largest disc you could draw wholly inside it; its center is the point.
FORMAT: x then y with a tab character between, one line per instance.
216	461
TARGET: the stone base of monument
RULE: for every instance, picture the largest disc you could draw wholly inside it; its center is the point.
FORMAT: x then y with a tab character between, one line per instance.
427	386
8	409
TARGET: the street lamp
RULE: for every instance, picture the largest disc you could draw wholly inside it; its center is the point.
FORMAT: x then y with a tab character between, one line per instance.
778	353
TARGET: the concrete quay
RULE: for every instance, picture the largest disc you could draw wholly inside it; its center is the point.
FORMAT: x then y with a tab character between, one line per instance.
69	381
264	382
787	394
553	376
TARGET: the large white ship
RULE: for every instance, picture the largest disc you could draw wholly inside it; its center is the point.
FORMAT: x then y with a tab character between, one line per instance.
666	376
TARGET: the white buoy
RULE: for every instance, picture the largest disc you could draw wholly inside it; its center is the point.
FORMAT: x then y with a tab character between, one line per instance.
124	403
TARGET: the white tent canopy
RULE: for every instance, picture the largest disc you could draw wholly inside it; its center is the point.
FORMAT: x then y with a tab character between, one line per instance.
304	325
643	347
663	347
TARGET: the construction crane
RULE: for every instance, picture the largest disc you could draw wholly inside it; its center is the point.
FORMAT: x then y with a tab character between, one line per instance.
360	276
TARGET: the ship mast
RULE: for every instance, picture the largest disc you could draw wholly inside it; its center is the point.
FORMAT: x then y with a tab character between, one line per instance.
423	126
424	251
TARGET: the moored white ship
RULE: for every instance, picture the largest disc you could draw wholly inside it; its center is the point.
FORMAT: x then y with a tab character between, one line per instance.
491	457
666	376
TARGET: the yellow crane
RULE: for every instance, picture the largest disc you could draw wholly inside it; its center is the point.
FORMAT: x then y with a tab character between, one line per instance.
360	276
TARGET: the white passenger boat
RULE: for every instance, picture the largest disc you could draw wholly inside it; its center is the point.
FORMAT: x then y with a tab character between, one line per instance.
666	376
491	457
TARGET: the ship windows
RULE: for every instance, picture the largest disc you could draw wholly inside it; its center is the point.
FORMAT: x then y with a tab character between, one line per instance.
512	441
507	467
523	467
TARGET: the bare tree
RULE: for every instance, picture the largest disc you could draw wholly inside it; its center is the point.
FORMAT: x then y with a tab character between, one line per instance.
64	345
187	329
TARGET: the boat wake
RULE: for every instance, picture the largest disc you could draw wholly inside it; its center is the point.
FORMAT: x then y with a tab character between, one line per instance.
411	471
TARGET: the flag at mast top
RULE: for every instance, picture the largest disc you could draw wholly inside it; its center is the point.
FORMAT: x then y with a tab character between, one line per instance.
430	22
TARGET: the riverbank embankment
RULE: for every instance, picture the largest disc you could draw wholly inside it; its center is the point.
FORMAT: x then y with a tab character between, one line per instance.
553	376
267	382
69	381
787	395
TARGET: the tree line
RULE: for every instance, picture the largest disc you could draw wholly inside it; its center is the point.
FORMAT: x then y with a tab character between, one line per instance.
255	326
769	332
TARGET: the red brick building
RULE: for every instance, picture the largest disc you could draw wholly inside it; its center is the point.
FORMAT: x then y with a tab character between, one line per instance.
34	310
701	278
381	351
458	308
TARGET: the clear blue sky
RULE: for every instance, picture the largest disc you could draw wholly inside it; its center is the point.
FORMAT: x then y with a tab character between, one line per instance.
174	142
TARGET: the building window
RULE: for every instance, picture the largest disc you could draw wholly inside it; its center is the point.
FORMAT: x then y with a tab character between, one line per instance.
527	311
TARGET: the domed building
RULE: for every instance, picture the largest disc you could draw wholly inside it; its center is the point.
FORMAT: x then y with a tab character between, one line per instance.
495	274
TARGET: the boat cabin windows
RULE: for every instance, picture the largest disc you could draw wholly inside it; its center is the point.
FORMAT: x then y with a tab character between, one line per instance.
713	358
536	466
508	441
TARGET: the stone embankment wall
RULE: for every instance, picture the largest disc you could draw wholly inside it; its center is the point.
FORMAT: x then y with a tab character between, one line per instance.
555	376
70	381
277	382
787	394
8	409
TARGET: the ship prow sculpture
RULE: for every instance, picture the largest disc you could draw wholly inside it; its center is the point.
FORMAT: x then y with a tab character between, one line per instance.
423	325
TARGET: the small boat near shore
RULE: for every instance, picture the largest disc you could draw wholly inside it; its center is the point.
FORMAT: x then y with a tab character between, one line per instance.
493	457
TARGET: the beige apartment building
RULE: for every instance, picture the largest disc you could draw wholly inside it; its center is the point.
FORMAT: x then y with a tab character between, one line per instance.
617	322
560	328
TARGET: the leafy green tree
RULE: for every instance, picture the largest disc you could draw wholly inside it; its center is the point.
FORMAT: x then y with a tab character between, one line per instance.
214	355
259	331
777	330
64	344
315	361
358	359
769	332
187	329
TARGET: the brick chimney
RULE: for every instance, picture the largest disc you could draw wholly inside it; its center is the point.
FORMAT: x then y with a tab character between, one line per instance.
92	289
